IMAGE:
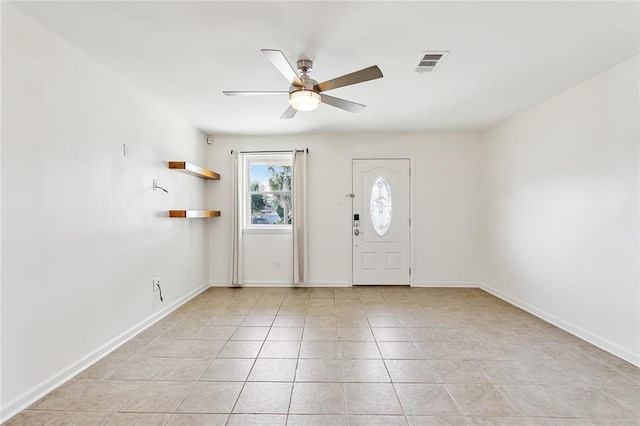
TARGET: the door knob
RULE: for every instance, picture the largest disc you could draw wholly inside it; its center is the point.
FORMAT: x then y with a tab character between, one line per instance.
357	232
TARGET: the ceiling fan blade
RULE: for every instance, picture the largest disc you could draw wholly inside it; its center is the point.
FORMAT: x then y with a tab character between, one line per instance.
366	74
342	103
278	59
254	93
289	113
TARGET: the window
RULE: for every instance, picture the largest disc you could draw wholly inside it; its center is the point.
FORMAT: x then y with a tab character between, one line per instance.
269	183
381	205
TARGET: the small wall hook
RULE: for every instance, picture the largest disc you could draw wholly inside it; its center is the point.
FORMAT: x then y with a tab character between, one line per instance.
155	186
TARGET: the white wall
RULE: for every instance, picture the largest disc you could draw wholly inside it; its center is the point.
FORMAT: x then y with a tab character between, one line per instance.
561	210
445	200
83	233
267	258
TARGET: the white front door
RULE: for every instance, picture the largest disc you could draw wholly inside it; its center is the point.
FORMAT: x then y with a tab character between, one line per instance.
380	221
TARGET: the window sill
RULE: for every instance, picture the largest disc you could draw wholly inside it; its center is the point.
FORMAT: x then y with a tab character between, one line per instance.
269	230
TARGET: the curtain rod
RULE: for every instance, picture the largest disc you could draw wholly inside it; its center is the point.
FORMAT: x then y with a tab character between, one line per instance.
271	152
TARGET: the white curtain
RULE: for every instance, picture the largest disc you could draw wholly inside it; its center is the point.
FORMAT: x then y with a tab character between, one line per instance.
300	223
235	220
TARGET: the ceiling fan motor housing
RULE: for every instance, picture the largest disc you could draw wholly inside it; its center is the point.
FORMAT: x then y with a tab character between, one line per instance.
307	83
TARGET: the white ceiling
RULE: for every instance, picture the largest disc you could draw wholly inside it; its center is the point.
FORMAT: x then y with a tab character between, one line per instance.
505	57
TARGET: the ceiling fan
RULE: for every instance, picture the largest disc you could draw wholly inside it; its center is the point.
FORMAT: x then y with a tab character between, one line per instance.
305	93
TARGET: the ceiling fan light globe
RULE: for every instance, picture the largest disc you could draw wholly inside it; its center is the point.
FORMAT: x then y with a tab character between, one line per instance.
304	100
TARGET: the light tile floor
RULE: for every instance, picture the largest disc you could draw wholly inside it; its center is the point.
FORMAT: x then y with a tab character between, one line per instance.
348	356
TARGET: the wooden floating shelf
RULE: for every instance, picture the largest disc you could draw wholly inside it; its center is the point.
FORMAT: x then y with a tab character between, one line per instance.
201	172
193	170
192	214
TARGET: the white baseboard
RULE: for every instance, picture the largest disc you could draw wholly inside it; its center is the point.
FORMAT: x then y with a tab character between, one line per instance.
267	284
453	284
598	341
283	284
22	401
328	284
220	284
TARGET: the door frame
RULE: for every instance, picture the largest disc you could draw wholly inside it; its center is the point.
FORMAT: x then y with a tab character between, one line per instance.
411	215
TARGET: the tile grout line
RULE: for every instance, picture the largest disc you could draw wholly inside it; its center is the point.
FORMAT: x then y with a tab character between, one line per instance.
252	365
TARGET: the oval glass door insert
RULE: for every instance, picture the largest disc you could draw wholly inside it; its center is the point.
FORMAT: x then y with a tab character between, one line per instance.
381	205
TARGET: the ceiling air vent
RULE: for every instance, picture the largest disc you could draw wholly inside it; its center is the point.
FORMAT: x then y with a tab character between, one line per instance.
430	61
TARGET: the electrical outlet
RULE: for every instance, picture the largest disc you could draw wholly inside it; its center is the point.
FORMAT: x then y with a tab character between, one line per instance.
156	283
277	263
125	150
